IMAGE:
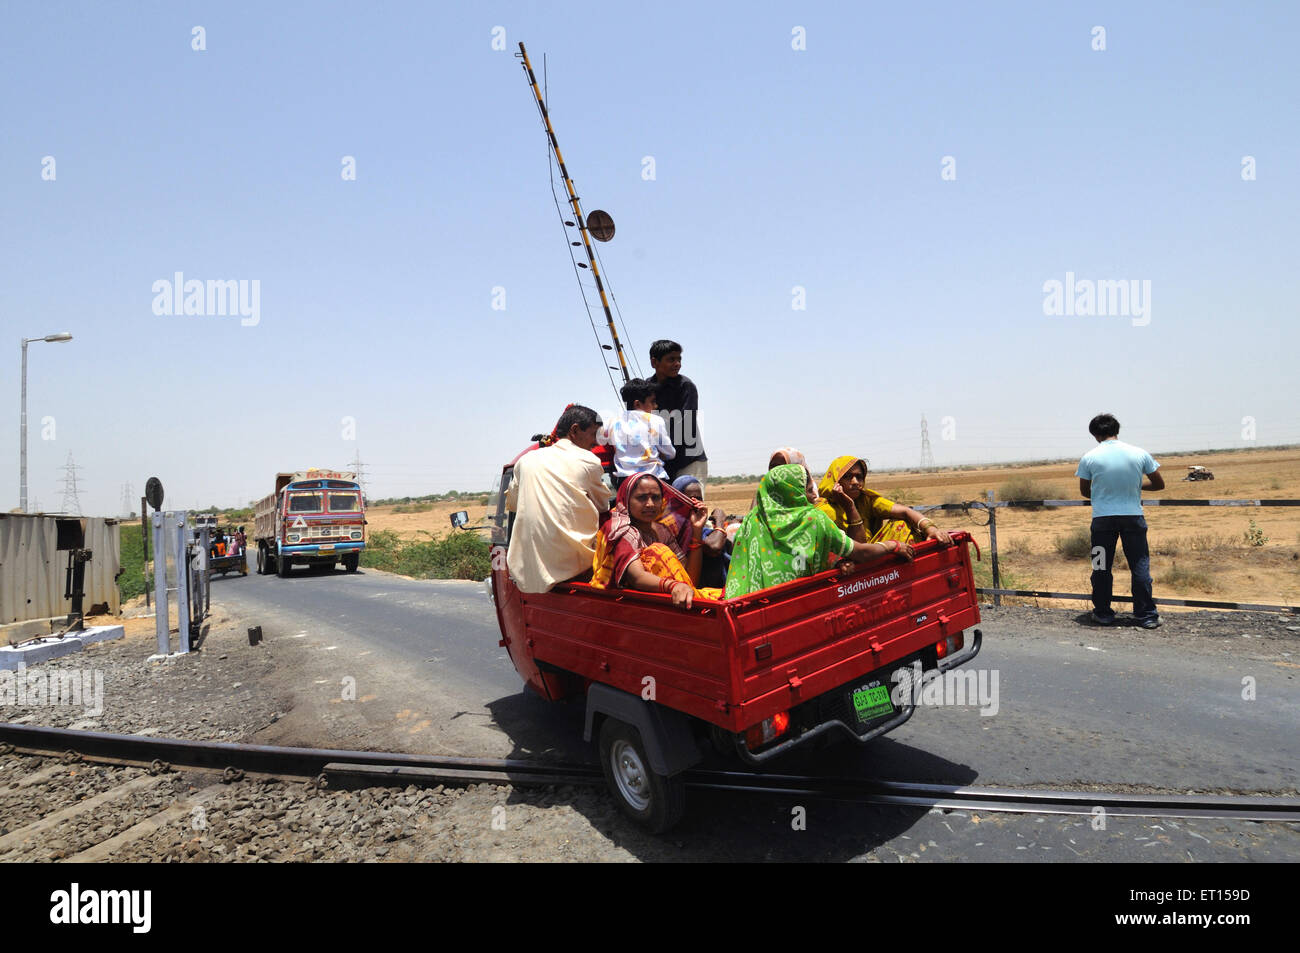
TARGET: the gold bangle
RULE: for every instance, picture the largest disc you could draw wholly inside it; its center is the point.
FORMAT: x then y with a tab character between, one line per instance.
858	523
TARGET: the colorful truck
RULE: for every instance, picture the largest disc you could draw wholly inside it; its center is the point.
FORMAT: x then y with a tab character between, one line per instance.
314	517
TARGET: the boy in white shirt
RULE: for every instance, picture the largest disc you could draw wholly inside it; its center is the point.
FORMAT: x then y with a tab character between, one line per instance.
638	435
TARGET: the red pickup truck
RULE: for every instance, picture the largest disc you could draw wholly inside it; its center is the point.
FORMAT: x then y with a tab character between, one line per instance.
754	676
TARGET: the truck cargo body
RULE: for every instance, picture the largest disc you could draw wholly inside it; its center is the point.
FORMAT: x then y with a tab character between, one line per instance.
836	654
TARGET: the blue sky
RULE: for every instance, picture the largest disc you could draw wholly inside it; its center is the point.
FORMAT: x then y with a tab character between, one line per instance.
775	168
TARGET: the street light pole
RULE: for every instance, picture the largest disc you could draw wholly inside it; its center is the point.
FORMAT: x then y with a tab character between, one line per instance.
22	465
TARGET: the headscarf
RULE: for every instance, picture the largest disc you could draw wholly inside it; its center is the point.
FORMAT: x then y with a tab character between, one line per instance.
784	537
786	455
685	480
623	541
872	508
780	457
791	455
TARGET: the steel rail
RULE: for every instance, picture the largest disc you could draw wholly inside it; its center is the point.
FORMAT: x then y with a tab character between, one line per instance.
374	768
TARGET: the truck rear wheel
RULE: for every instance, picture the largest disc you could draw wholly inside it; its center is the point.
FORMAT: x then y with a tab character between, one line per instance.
653	800
282	566
261	561
351	561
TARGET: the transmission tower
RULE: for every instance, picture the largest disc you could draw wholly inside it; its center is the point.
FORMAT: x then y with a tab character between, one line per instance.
927	456
128	501
360	469
71	504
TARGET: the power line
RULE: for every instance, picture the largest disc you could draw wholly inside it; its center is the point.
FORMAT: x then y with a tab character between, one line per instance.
927	455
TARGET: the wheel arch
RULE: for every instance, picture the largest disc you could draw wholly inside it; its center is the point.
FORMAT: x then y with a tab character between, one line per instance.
668	735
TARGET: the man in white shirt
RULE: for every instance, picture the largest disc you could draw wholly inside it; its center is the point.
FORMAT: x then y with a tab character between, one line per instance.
558	497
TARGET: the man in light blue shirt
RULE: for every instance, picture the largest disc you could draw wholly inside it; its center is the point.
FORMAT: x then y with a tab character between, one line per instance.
1111	476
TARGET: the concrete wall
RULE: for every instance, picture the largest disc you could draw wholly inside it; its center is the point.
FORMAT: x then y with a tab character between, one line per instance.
32	569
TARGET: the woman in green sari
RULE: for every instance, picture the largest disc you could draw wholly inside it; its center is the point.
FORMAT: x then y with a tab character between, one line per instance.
785	537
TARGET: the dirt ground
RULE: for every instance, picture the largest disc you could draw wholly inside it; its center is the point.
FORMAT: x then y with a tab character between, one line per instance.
1197	553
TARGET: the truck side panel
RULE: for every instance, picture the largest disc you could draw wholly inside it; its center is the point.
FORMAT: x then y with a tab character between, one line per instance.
634	641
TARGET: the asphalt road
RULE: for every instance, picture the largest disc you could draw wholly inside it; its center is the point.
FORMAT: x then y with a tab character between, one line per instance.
1075	705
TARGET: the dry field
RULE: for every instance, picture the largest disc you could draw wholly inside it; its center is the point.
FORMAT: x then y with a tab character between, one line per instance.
1196	552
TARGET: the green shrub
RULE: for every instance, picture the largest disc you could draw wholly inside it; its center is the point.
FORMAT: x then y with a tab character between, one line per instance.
131	581
1180	579
984	574
457	556
1075	545
1017	546
1024	488
1255	536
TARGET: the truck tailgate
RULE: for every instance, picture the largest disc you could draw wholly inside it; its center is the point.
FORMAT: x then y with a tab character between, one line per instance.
803	639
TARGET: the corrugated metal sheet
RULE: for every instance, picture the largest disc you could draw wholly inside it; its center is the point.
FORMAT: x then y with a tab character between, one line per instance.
33	569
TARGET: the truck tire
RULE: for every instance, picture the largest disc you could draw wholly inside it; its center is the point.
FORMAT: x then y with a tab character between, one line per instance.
261	561
654	801
351	561
282	566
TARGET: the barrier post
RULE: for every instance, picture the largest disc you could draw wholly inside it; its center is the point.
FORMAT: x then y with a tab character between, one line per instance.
183	581
162	622
993	547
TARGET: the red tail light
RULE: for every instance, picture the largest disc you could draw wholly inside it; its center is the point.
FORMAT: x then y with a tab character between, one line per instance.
947	646
769	729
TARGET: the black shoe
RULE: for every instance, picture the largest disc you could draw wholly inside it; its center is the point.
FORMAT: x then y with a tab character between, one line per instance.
1150	623
1102	619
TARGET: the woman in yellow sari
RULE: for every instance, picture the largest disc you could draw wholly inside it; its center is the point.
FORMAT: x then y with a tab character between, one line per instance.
864	514
639	547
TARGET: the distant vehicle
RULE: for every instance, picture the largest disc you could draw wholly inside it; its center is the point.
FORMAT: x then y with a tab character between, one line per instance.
1198	473
224	552
314	517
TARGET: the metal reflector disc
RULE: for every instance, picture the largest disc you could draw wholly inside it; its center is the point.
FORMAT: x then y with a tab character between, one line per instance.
600	225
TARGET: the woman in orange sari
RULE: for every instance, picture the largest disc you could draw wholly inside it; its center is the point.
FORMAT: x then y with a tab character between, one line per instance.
864	514
639	548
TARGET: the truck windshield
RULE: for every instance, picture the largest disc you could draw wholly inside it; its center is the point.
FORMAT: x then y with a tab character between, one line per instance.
304	503
343	503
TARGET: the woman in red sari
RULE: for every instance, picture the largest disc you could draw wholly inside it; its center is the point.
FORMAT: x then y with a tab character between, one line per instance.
652	542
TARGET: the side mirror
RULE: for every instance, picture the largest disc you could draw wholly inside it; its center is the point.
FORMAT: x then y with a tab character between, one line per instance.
460	519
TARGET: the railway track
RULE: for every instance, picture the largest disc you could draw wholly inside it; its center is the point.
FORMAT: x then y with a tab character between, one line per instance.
334	768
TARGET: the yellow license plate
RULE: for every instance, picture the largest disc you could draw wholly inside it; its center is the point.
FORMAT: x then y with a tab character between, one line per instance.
326	547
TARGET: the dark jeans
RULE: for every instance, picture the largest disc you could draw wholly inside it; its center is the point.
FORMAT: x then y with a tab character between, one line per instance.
1132	532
